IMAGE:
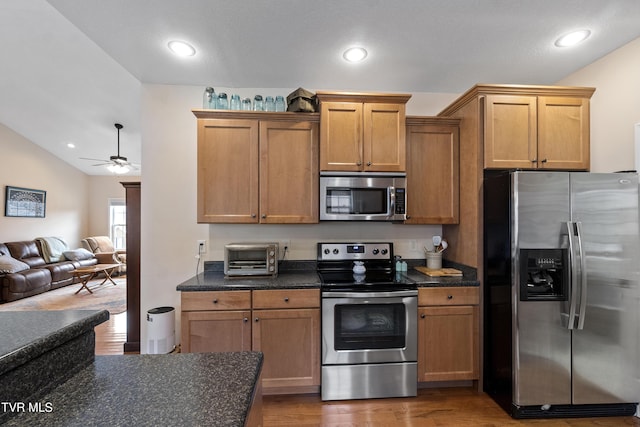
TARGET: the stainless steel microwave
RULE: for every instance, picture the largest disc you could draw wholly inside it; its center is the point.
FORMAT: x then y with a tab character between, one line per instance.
251	259
358	196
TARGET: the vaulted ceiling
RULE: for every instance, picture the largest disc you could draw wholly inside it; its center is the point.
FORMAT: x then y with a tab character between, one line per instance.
73	68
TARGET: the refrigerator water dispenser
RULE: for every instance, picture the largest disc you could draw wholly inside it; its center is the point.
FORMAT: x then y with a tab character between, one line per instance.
544	275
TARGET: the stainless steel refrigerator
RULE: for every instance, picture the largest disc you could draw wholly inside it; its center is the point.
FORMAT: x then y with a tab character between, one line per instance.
562	293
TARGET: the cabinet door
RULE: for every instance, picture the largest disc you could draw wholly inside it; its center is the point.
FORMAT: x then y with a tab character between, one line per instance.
384	137
215	331
510	132
341	136
432	175
290	341
227	171
288	172
447	343
563	133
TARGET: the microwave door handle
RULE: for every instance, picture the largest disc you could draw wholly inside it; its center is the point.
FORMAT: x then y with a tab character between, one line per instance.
392	201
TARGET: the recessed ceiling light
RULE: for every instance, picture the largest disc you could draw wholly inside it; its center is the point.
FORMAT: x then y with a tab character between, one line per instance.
572	38
71	145
181	48
355	54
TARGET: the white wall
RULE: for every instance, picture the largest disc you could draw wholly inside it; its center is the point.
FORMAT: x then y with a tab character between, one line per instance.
102	188
25	164
615	106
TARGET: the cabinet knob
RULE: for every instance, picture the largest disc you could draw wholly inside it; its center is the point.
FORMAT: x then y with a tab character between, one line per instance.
253	215
245	320
368	163
286	299
215	301
422	316
257	319
534	160
359	163
408	216
449	296
544	160
264	216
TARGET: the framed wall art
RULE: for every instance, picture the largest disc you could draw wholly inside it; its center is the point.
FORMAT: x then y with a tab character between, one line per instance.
25	202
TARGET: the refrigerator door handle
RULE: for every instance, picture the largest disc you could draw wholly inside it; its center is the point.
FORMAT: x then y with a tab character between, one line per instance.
583	277
573	304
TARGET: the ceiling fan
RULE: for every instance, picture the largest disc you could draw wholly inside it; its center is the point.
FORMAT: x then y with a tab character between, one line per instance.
116	164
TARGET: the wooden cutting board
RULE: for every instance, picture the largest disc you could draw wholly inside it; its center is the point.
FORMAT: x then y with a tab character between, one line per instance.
442	272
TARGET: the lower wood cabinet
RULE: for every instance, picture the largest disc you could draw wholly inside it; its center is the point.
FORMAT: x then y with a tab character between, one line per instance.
283	324
216	321
448	331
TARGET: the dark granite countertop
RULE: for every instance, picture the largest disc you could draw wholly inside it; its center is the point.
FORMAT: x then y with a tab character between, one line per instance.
212	389
29	334
215	281
304	276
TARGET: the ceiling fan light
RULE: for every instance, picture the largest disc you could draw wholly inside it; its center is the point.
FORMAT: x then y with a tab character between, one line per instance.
118	169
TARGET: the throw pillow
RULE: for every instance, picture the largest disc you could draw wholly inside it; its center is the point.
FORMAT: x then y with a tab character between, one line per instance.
10	265
77	254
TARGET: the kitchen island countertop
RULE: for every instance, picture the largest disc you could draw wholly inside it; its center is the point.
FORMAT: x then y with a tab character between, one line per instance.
29	334
213	389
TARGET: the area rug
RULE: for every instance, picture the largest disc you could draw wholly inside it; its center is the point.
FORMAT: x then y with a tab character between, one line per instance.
104	297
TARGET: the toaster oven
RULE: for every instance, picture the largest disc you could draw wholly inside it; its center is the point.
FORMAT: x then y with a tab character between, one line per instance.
251	259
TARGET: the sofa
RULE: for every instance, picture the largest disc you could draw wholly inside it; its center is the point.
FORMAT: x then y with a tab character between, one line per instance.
102	247
26	269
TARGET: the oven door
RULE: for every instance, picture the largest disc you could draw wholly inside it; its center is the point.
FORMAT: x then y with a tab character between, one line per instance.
369	327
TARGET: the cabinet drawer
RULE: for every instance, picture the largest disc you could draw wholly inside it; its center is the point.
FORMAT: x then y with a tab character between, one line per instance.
283	298
216	300
449	296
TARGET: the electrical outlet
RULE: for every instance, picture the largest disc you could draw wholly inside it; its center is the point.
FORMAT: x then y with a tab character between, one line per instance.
202	247
284	243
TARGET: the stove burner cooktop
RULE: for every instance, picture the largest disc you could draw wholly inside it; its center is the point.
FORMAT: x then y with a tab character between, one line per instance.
336	262
370	281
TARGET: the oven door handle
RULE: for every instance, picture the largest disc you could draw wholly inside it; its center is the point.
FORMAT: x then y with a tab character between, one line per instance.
390	294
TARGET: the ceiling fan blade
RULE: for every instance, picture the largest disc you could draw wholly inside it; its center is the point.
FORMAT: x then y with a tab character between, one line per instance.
102	164
95	160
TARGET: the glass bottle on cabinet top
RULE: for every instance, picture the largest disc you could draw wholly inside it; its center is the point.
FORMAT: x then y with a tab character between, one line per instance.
223	102
209	98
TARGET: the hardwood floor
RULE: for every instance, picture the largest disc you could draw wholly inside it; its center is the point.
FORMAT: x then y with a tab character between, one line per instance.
432	407
111	335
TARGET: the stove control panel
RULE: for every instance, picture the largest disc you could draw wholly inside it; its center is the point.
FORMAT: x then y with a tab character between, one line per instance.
355	251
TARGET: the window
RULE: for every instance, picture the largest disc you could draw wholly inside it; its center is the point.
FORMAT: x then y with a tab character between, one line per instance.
118	223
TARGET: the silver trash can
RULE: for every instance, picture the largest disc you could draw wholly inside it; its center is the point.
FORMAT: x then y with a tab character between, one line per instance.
161	331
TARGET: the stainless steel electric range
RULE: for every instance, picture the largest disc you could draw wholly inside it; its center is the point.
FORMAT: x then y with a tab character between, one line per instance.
369	323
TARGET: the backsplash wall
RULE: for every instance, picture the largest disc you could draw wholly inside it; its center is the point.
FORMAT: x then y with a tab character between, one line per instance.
408	240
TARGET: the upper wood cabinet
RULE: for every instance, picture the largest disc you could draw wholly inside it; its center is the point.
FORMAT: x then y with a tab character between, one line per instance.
432	170
498	127
257	167
289	172
536	132
362	132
